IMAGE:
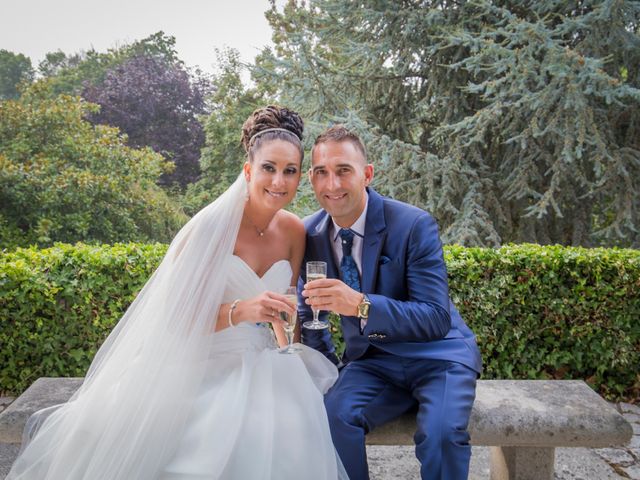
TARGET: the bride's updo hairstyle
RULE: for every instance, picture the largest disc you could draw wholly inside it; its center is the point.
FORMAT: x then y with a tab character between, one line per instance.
270	123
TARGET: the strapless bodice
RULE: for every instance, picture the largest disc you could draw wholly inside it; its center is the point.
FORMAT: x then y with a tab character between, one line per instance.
243	282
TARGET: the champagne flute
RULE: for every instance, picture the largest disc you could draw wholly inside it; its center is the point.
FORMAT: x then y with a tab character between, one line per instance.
316	271
290	321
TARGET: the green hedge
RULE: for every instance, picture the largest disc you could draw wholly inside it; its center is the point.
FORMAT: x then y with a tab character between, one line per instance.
554	312
538	312
58	305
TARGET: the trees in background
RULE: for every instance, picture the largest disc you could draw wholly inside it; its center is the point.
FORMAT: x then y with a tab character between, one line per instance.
510	122
64	179
72	73
231	103
145	90
157	104
15	69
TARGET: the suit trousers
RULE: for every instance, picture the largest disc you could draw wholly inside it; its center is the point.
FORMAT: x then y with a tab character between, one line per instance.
379	387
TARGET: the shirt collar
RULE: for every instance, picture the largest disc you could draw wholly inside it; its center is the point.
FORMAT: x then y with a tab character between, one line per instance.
358	225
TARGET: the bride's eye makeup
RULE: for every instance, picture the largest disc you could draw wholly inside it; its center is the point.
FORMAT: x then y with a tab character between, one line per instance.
269	167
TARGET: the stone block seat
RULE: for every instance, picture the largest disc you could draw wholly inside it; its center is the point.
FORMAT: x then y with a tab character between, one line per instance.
522	420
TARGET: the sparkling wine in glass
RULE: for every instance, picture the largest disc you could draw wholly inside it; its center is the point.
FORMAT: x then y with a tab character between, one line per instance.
316	271
290	321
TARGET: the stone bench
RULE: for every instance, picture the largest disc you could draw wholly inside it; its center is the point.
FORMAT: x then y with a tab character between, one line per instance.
522	420
43	393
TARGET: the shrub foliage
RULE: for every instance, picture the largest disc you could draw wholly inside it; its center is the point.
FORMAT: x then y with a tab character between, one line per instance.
64	180
59	304
538	312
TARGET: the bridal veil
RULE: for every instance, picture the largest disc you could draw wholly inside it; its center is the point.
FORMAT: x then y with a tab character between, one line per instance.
125	420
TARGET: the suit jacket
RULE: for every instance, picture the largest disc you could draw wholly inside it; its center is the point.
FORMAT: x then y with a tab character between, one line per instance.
405	278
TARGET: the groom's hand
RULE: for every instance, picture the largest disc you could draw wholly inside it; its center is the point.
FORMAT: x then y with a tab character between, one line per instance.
332	295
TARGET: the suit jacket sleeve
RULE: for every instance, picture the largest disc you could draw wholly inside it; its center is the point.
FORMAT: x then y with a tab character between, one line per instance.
424	314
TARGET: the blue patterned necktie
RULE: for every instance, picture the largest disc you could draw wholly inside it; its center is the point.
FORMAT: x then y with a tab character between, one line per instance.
348	267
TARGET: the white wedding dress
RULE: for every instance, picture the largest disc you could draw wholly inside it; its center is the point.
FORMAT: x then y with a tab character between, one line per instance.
167	398
259	414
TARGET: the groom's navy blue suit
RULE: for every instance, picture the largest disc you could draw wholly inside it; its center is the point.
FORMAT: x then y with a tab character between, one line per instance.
414	350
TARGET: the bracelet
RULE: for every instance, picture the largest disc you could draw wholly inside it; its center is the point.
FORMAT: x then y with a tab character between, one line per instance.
233	307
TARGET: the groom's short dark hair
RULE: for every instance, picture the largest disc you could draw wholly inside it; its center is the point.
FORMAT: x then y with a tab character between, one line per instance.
340	133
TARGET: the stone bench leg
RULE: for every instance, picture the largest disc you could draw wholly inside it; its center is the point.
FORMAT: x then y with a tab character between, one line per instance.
522	463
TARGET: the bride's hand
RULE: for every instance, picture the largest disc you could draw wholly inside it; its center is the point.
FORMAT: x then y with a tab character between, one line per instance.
263	308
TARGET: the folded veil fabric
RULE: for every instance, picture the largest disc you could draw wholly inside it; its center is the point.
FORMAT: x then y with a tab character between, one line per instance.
127	417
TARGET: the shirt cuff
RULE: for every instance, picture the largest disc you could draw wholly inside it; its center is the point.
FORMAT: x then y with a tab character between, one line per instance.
363	323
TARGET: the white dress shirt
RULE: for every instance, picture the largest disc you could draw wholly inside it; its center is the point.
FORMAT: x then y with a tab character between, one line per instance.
356	249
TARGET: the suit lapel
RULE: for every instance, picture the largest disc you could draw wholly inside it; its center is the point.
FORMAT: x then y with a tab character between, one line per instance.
374	237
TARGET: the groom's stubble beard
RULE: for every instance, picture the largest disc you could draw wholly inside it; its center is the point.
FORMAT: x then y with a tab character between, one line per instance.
352	187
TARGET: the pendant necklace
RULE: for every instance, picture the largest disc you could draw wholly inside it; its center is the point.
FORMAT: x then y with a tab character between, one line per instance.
258	231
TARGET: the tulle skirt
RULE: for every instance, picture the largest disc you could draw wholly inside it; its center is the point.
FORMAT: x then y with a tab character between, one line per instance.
259	414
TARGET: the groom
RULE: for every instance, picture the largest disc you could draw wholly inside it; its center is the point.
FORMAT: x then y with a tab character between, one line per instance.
406	344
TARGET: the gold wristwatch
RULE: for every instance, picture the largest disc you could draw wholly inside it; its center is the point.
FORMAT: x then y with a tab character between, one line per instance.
363	307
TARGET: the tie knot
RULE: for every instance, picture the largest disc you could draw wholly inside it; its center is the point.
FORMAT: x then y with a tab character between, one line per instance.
347	240
346	235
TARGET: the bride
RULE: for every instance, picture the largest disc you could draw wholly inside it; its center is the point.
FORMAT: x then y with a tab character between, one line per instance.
190	384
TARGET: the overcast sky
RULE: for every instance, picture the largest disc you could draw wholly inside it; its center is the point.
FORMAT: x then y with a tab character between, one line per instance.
35	27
